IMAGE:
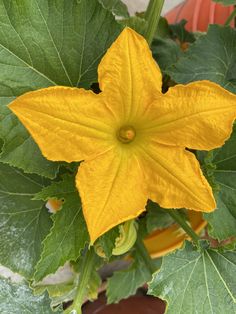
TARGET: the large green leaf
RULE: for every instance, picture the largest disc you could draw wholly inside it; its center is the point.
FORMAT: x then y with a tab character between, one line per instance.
19	299
212	57
223	219
24	222
197	282
56	42
44	43
68	234
117	7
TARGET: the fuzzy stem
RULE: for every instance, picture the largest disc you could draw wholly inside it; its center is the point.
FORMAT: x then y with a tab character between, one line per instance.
230	18
179	219
140	247
85	274
152	17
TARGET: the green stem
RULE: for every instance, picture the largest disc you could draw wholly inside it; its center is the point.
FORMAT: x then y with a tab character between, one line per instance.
84	277
140	247
179	219
230	18
152	17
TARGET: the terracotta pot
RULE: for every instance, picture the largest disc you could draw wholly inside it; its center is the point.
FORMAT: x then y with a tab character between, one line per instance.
161	242
138	304
199	14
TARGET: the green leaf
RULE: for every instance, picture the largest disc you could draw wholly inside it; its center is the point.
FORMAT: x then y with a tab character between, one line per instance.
157	217
124	283
107	241
68	234
137	23
117	7
211	57
57	42
24	222
59	293
18	298
223	219
163	29
226	2
45	43
197	282
179	31
95	282
166	52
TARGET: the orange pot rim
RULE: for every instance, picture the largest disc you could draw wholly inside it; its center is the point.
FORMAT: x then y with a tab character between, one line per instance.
164	241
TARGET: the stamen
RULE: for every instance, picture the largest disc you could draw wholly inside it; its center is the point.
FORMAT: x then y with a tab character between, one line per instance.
126	134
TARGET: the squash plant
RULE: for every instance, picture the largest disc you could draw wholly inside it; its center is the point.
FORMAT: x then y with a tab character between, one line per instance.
117	143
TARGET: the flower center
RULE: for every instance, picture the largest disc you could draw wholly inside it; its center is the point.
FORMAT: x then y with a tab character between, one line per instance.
126	134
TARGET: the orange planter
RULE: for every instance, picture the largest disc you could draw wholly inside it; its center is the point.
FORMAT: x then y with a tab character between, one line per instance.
166	240
199	14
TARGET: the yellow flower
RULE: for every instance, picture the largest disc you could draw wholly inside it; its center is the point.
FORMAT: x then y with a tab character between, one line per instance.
131	137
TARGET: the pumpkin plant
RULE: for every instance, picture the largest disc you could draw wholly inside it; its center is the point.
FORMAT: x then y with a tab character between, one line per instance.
117	143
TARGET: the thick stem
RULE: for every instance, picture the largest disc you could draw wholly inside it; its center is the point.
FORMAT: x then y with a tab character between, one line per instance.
85	274
140	247
152	17
230	18
179	219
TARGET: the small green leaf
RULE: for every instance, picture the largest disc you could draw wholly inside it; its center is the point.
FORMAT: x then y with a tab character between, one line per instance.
68	234
93	285
18	298
59	292
117	7
124	283
223	219
163	29
157	217
179	31
24	222
226	2
197	282
45	43
107	241
211	57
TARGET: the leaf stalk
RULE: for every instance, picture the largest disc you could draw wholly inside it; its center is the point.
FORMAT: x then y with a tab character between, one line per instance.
230	18
152	17
183	224
140	247
85	275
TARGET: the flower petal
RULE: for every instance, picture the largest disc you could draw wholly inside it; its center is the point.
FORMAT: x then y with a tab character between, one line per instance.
129	76
112	190
174	178
199	115
68	124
